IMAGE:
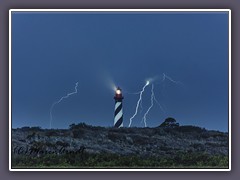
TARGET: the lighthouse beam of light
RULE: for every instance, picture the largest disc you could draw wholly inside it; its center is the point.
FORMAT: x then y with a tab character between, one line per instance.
57	102
138	102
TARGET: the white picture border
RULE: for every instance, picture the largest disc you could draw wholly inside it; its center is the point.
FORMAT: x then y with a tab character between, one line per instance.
118	10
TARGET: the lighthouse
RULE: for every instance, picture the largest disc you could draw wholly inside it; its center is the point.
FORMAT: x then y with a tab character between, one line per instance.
118	115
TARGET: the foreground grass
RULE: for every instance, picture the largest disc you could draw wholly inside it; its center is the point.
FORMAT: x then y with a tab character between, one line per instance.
106	160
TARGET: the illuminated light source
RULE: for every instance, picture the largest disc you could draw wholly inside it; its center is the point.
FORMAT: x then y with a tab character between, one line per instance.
118	91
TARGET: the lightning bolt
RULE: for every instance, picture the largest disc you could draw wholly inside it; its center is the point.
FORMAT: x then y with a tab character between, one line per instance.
136	93
170	79
153	98
57	102
150	107
158	103
138	102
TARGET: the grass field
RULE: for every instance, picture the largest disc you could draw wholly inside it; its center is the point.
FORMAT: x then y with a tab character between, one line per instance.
106	160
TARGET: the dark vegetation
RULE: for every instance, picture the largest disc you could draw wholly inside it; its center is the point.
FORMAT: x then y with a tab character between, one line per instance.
110	160
167	146
169	122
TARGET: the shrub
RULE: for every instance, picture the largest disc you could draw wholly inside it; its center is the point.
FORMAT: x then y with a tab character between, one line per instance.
169	122
77	126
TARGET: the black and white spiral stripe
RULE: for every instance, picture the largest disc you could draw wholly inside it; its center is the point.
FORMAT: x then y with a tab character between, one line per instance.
118	116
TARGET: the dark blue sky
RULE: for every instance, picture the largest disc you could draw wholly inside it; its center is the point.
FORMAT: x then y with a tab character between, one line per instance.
53	51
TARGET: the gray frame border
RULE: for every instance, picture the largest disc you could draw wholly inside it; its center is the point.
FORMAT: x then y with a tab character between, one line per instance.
110	11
